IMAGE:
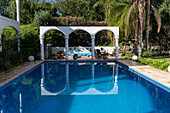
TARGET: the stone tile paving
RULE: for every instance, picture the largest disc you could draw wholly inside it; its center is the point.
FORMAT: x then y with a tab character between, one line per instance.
13	73
160	76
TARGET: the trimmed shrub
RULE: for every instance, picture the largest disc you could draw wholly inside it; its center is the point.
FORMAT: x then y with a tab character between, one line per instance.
148	53
42	18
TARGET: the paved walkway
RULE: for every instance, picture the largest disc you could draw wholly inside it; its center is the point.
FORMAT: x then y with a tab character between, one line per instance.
160	76
153	73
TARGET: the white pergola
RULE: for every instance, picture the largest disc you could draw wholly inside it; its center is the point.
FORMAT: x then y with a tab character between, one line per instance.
7	22
92	30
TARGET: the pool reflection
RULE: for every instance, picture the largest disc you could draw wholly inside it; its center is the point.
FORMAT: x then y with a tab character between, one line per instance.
81	79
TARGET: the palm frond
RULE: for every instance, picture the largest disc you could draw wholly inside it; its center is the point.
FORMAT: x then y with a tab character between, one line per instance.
158	18
128	17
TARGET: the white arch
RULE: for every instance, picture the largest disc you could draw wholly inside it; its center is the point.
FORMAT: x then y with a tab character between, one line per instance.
6	22
69	29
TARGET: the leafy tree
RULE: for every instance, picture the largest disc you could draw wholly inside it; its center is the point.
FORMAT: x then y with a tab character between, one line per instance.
42	18
88	9
29	7
4	7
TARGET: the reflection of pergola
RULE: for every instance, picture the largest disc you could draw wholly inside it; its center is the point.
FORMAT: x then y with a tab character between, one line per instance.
68	30
91	91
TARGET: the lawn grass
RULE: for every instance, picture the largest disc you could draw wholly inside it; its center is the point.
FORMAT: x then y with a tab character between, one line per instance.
160	62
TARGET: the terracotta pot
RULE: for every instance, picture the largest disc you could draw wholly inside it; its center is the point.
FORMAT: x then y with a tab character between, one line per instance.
99	55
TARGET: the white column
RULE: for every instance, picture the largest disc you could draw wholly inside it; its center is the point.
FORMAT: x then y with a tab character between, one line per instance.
18	14
20	103
67	75
116	74
42	47
92	75
66	46
18	41
117	46
42	75
0	41
92	45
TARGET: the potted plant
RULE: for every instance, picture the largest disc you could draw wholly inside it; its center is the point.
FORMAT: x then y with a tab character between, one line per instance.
99	55
104	55
55	55
61	54
75	56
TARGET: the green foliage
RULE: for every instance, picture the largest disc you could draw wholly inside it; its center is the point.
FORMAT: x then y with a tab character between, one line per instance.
160	63
4	7
43	18
29	41
79	38
117	16
128	56
76	21
56	38
9	57
89	9
148	53
29	7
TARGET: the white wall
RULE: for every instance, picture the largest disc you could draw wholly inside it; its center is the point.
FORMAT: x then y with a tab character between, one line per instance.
107	49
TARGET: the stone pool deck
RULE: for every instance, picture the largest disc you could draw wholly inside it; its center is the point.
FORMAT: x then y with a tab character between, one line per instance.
160	76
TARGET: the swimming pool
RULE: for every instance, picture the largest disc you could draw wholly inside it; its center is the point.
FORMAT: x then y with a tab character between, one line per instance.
83	87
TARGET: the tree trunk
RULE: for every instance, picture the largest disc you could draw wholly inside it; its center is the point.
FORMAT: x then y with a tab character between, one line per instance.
141	12
136	35
147	24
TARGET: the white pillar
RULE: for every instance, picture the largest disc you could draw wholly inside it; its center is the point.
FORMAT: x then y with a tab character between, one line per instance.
20	103
0	41
92	75
42	75
18	42
42	47
18	14
92	45
67	75
116	74
66	46
117	46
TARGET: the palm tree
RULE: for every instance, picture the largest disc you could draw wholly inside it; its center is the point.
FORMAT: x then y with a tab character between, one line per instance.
147	24
140	4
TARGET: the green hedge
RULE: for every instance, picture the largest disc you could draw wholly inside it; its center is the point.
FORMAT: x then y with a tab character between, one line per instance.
9	57
160	63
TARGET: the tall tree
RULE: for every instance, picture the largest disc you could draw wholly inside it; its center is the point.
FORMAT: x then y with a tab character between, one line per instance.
147	24
141	6
141	12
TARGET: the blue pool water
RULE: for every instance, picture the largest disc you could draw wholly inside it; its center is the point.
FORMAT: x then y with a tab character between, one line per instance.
82	87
